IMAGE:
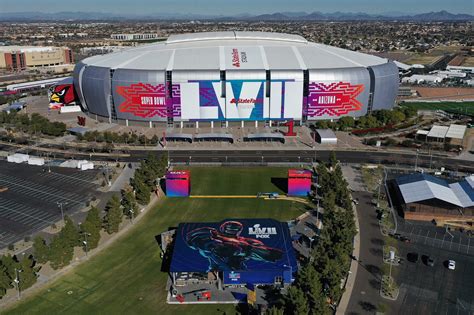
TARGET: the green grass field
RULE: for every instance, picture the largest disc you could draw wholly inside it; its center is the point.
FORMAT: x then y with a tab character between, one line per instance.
126	278
466	108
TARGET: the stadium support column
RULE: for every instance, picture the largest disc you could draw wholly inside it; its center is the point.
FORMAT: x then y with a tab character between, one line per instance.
212	124
370	104
197	124
256	124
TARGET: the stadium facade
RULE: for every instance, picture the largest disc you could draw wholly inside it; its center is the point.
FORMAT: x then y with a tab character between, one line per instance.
233	77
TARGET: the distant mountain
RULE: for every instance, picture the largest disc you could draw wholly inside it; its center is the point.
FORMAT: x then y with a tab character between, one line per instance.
441	16
277	16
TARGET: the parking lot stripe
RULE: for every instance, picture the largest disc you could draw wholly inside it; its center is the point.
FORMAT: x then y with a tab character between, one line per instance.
451	243
435	239
426	237
39	191
442	243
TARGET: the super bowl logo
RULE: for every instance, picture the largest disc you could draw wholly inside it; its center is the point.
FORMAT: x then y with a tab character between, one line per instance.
144	100
262	232
333	99
234	276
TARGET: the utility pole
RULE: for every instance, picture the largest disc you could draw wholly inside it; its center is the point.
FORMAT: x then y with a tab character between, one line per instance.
60	206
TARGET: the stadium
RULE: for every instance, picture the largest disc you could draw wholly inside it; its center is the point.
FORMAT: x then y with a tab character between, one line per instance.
233	78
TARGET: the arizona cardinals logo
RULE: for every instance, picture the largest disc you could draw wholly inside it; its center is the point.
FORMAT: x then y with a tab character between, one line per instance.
60	95
334	99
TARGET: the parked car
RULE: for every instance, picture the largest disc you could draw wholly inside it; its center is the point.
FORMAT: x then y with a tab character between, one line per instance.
405	239
451	264
412	257
430	262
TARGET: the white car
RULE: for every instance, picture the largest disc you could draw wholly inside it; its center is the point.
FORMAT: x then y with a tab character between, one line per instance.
451	265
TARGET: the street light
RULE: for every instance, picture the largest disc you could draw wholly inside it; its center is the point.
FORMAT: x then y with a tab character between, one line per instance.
416	161
17	281
60	206
85	241
131	215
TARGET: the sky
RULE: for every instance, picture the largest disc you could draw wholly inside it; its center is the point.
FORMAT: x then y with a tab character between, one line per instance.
234	7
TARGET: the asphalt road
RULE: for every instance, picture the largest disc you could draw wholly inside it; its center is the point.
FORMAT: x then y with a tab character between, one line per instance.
278	156
365	296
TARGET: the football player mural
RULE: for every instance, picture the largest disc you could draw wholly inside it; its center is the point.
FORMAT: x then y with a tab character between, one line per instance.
226	249
61	94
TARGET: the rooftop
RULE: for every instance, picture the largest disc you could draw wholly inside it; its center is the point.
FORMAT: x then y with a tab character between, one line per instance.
420	187
234	51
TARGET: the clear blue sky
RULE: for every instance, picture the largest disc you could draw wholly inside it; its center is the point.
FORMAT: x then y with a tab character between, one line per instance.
233	7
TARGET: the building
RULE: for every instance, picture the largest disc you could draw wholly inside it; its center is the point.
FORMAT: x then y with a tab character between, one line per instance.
233	78
15	58
134	36
424	197
233	253
326	136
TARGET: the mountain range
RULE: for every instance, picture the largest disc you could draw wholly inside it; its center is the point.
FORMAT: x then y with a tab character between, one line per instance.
278	16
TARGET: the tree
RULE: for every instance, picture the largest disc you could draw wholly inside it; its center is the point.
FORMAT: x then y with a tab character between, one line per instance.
274	311
346	122
70	233
309	281
142	192
129	203
40	250
28	273
92	226
113	216
295	301
332	159
6	274
60	252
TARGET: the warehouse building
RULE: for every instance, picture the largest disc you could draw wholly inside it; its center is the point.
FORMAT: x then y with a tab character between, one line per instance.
16	58
426	198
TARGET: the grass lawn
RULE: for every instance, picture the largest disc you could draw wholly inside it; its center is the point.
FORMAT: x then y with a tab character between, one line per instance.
126	278
451	107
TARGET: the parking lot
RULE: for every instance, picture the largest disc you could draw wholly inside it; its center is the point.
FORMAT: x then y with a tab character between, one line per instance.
29	200
434	290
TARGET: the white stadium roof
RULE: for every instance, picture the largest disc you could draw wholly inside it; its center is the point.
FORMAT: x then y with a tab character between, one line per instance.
438	131
215	51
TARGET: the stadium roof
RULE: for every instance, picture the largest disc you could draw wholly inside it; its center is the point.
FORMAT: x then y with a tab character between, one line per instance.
420	187
218	50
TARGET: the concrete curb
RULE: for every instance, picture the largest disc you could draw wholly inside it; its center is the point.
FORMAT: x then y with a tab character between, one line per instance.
350	281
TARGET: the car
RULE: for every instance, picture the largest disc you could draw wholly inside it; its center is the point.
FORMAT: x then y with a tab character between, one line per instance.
451	264
404	239
430	262
412	257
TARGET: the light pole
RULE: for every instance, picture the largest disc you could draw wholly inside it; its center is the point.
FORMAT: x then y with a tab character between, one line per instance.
416	160
85	241
17	281
60	206
131	215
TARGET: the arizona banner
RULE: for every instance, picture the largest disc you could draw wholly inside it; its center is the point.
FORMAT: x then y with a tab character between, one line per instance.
335	99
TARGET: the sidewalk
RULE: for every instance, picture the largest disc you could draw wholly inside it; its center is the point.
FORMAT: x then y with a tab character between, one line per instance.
346	296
